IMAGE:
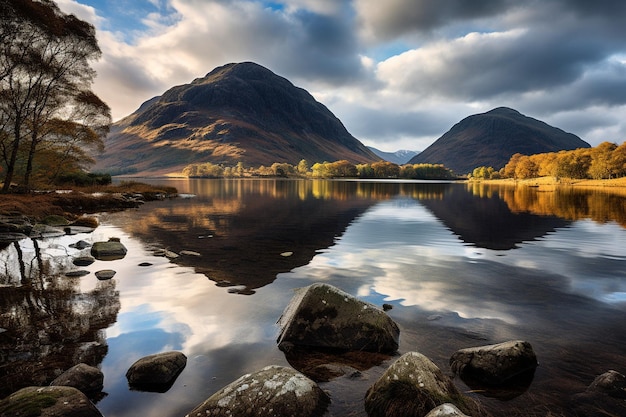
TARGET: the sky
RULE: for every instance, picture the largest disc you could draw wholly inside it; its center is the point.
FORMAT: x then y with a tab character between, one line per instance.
397	73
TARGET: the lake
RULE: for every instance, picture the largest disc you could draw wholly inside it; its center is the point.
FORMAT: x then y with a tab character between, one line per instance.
462	265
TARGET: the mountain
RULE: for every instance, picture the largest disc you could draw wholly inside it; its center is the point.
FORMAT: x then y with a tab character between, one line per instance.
490	139
237	112
400	157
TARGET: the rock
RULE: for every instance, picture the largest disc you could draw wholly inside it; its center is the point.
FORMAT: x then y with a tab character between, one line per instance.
604	397
48	402
157	372
11	237
83	377
189	253
322	316
411	387
81	244
272	391
495	364
105	274
145	264
83	261
108	251
611	383
43	231
77	274
55	220
86	221
446	410
15	224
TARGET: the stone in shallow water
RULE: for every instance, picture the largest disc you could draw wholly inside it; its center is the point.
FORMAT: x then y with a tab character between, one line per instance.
411	387
83	261
323	316
156	373
48	401
77	274
105	274
495	364
108	251
272	391
83	377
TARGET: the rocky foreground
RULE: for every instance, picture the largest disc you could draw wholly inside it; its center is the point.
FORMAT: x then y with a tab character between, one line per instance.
324	317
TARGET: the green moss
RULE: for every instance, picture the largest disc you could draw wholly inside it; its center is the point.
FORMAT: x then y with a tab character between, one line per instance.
28	404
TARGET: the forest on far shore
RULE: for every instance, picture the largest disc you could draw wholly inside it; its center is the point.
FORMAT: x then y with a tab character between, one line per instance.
605	161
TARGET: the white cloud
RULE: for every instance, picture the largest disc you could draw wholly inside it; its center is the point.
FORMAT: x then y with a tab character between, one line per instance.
399	73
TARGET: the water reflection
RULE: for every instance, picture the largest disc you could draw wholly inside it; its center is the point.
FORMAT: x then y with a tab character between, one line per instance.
462	266
47	323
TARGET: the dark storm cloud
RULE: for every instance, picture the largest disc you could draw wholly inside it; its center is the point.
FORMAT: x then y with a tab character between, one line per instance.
390	19
320	47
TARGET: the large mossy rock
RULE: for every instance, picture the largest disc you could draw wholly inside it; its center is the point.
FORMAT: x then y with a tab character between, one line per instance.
83	377
48	402
495	364
322	316
156	373
413	386
272	391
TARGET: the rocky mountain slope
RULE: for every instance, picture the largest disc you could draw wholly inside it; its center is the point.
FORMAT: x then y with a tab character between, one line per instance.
491	138
237	112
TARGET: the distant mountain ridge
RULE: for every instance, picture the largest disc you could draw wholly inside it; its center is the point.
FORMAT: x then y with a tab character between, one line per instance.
400	157
240	112
491	138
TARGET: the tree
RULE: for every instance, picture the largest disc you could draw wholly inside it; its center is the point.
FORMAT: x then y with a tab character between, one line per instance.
303	167
618	161
45	86
600	167
509	169
385	169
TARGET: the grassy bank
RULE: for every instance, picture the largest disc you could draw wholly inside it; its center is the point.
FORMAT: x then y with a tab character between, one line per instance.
80	200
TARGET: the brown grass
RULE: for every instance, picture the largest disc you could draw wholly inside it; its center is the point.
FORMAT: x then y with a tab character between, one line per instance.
79	201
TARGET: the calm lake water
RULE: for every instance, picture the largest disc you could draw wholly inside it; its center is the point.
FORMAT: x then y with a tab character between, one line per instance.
463	265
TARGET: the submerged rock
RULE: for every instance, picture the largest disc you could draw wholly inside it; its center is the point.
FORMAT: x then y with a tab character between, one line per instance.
48	402
272	391
323	316
83	377
157	372
495	364
604	397
411	387
611	383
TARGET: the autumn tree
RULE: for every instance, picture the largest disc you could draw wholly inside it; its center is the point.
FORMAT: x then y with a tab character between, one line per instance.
600	166
46	100
618	161
385	169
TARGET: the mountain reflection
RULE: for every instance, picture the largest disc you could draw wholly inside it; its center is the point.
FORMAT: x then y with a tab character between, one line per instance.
47	325
248	231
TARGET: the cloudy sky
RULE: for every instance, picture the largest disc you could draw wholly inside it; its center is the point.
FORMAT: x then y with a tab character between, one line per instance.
398	73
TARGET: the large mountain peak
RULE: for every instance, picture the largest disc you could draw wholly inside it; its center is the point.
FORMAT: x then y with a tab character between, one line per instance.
491	138
239	112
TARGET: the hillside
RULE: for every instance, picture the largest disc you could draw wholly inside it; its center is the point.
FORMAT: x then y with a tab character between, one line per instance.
490	139
237	112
